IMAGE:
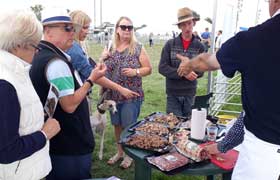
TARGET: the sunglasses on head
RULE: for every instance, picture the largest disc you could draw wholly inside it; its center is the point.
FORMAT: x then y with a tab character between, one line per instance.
67	28
124	27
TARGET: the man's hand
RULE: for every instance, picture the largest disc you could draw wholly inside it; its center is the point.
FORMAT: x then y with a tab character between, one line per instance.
185	66
128	93
212	148
191	76
51	128
98	72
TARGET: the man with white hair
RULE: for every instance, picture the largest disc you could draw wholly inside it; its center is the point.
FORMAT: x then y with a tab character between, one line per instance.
253	53
72	148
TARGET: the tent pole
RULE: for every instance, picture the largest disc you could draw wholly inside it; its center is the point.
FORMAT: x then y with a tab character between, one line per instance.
212	47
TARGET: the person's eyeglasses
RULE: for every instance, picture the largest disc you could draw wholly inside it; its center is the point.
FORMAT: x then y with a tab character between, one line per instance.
67	28
85	27
124	27
37	48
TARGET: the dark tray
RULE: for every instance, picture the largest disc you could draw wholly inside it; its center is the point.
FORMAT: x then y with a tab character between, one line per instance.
134	127
154	115
151	116
163	149
137	124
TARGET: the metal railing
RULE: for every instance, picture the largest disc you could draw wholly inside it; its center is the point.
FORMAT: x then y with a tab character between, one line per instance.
226	95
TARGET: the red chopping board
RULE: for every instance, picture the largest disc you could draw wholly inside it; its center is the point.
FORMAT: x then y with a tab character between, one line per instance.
226	160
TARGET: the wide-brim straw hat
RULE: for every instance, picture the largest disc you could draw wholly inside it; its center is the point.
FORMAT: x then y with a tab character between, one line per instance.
185	14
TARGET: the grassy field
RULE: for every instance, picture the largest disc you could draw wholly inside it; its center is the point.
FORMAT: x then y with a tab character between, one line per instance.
155	100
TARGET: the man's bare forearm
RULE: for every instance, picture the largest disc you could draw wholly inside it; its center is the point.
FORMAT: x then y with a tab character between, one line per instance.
105	82
70	103
205	62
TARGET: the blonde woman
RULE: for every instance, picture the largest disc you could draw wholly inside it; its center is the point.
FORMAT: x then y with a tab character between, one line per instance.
24	137
79	56
127	63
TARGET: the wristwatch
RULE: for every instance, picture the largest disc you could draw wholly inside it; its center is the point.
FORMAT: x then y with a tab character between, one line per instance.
90	82
137	72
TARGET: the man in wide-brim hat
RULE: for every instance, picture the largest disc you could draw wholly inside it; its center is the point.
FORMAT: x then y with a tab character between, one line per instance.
186	14
180	90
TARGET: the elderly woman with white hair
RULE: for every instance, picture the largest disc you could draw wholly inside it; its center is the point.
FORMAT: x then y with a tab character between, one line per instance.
24	137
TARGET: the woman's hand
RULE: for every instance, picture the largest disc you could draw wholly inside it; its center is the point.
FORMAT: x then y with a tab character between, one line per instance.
129	72
105	55
51	128
128	93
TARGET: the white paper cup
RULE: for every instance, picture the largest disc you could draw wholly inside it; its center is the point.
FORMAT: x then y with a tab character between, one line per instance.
212	132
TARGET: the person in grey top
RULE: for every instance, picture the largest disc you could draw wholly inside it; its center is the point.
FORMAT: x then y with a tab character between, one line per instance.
180	90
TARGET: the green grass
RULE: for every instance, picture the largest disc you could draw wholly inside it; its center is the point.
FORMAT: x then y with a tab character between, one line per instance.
155	100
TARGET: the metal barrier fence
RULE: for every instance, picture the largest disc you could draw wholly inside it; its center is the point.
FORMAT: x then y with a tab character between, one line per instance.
226	95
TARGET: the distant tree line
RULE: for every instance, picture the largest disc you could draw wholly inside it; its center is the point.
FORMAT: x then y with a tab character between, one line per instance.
37	9
197	17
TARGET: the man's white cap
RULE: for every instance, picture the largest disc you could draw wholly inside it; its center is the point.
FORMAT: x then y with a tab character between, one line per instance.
55	15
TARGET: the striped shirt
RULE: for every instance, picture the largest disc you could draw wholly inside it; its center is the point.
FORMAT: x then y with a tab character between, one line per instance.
59	74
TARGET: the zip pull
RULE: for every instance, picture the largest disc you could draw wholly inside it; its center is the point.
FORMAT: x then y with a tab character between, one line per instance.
17	167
